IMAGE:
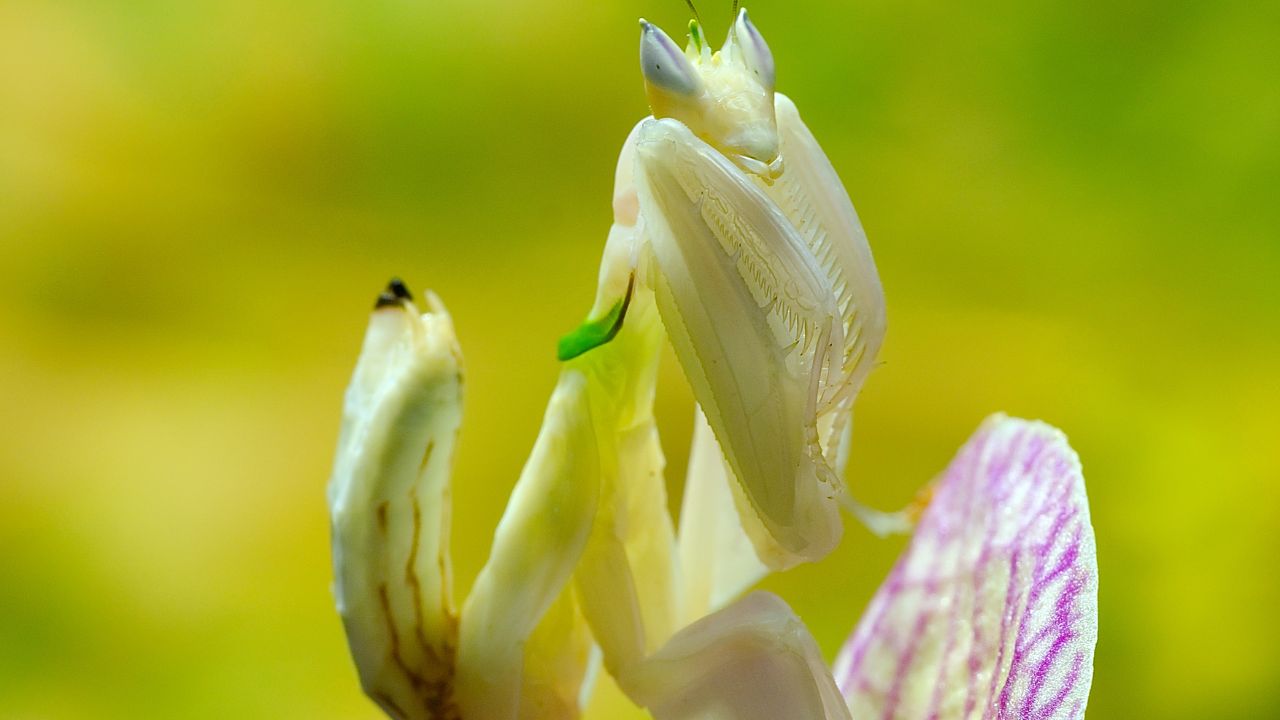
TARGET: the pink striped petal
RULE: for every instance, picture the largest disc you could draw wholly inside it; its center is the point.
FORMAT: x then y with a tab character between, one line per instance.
992	612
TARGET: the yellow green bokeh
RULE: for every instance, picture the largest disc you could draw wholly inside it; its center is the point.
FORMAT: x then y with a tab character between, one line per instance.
1075	208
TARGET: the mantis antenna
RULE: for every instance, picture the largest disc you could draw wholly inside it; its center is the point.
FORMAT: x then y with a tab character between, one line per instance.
735	7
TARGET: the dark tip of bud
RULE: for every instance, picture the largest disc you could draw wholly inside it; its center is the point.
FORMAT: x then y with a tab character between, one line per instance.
388	299
399	289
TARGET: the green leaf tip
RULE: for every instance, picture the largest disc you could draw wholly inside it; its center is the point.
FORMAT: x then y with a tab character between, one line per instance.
594	333
695	35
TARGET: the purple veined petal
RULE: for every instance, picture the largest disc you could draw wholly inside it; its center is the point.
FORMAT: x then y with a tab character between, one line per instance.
992	611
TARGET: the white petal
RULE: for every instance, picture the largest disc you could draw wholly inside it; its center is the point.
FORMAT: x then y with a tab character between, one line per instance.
556	661
537	543
717	560
752	320
626	580
992	610
389	508
753	660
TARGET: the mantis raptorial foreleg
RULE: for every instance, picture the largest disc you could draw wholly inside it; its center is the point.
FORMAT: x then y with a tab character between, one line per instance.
751	316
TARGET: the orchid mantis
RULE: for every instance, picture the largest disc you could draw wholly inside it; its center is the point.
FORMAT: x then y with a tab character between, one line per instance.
734	240
726	208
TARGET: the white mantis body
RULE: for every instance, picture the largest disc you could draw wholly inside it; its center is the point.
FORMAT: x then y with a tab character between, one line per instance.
729	210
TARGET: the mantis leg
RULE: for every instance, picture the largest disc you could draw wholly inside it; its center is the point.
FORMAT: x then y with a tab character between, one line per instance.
752	318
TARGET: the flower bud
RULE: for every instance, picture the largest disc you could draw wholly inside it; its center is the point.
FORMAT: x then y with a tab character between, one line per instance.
389	507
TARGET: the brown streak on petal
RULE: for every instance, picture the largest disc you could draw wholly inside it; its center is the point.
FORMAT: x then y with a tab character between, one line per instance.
426	455
414	679
411	575
389	704
382	517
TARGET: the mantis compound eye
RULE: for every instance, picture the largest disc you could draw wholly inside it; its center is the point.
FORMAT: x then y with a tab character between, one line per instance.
755	51
664	64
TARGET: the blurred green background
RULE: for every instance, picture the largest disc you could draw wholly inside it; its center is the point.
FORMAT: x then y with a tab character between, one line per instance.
1075	208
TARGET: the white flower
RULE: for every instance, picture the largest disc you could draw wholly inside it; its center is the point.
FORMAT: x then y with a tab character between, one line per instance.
734	240
991	612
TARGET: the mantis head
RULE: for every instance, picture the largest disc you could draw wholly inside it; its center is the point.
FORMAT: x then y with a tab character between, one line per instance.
724	97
